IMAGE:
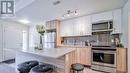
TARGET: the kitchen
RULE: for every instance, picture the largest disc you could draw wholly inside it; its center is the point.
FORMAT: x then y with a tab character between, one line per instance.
97	44
93	40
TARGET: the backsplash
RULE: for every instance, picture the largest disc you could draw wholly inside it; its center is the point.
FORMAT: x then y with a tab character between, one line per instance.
78	41
103	38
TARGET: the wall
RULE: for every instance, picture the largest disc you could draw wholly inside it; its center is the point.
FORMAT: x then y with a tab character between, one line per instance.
126	10
34	37
12	37
124	38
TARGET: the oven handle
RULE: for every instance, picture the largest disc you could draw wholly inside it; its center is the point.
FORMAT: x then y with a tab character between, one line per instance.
102	51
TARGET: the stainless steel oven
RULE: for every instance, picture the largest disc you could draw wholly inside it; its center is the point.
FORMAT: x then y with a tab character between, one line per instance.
104	60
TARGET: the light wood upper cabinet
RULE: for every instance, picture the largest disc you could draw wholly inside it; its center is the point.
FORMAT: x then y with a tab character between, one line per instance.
105	16
76	27
117	21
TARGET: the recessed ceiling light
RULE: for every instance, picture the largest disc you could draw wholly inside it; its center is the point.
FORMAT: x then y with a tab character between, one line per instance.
24	21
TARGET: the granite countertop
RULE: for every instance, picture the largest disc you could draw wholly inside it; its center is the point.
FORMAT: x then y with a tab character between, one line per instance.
50	52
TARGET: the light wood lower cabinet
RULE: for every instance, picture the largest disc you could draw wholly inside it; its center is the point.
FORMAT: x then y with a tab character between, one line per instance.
83	56
77	55
121	59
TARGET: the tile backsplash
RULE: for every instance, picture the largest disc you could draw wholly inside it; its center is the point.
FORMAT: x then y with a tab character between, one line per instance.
95	39
76	40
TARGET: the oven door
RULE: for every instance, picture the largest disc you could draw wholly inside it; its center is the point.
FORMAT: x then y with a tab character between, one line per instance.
104	58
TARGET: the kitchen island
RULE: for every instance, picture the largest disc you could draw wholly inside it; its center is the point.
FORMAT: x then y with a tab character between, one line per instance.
61	58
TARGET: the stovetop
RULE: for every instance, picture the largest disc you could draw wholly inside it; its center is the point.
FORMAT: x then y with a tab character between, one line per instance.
99	47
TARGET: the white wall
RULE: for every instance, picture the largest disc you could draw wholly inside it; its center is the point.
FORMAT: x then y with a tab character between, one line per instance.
124	38
13	37
33	36
13	31
126	10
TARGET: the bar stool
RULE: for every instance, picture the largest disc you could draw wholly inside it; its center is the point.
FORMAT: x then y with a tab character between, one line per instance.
43	68
77	68
25	67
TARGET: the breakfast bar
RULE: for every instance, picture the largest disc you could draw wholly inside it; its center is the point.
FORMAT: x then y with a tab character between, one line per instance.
61	58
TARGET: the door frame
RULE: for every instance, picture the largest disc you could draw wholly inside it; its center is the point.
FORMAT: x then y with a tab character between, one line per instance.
128	52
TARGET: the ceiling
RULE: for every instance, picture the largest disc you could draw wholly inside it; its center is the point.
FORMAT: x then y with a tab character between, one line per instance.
42	10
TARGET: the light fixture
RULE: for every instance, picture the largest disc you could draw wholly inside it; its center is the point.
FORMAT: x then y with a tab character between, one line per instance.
24	21
76	12
69	13
56	2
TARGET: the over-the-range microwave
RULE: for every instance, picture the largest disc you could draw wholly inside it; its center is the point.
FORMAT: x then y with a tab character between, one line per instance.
102	26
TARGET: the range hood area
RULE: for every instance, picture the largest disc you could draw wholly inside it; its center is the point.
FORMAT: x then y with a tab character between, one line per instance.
102	26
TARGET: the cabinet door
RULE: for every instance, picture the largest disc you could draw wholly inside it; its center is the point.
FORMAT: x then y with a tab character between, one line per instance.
121	59
102	17
1	48
87	26
85	55
82	26
66	28
117	21
78	56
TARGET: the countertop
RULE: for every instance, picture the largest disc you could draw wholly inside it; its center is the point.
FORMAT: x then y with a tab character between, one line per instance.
74	46
49	52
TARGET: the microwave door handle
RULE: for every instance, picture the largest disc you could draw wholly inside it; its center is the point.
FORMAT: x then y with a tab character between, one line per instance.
101	58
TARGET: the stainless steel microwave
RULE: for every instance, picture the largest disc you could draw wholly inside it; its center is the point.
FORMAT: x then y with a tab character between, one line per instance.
102	26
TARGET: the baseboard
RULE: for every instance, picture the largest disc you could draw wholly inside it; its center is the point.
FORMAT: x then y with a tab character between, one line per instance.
88	66
9	61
